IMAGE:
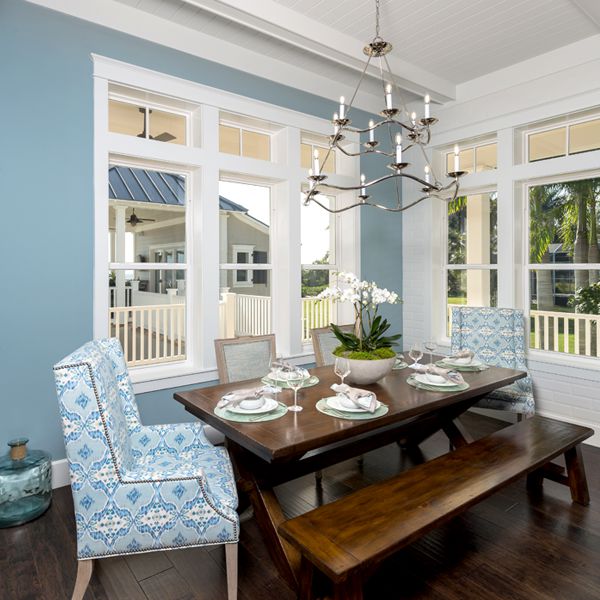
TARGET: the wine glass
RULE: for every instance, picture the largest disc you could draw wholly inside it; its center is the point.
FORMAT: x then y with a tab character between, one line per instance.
341	368
430	346
274	373
295	380
416	353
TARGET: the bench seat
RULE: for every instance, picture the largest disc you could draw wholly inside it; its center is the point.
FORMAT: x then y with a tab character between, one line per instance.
347	538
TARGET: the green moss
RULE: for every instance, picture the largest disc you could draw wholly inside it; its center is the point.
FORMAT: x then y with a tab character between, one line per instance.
378	354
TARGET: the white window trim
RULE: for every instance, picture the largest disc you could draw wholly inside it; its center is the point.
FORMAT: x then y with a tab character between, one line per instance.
207	163
243	249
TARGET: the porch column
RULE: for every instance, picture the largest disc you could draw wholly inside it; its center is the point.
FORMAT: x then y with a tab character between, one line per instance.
223	241
120	215
478	250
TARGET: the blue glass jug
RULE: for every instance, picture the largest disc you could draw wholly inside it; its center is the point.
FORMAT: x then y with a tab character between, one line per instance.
25	484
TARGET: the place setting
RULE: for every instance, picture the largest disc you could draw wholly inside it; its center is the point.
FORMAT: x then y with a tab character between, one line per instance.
281	371
432	377
463	360
350	402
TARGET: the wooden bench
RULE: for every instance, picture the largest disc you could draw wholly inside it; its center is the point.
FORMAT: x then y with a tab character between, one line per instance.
346	539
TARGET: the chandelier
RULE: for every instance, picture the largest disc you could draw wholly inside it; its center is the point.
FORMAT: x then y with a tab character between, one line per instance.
410	134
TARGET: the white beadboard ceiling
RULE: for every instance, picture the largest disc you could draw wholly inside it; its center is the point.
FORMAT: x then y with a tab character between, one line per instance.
438	44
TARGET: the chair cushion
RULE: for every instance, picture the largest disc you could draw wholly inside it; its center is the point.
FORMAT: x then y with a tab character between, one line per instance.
165	466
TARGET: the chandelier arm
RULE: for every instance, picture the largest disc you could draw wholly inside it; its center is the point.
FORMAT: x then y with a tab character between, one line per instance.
368	184
397	208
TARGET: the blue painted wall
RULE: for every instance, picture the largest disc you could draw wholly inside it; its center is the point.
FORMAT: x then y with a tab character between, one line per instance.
46	240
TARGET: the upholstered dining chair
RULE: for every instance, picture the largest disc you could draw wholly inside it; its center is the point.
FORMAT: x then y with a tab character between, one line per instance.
242	358
497	337
138	488
324	343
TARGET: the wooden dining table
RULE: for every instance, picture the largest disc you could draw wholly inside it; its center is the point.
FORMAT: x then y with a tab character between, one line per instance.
268	453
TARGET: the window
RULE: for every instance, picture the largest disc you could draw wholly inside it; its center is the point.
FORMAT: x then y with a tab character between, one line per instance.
567	139
146	122
243	142
147	302
564	266
474	159
318	255
245	240
201	244
471	261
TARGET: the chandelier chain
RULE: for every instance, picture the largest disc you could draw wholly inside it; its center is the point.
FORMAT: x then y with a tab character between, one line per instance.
377	18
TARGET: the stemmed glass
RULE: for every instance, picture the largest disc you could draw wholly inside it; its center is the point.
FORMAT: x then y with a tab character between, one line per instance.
341	368
416	353
430	346
295	380
274	373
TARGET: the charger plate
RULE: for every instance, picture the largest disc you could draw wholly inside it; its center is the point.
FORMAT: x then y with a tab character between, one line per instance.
323	407
436	388
226	414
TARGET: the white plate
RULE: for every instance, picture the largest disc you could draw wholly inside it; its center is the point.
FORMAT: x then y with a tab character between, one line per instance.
268	406
422	378
334	403
473	363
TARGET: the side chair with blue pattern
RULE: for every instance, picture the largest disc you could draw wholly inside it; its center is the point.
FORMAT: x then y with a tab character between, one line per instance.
138	488
497	337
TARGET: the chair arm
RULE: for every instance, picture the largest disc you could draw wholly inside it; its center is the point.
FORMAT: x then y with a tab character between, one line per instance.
169	439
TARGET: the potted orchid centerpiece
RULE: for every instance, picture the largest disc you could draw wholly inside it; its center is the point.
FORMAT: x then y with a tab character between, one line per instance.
367	348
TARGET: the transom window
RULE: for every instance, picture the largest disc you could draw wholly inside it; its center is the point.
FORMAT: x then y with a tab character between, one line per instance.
564	140
474	159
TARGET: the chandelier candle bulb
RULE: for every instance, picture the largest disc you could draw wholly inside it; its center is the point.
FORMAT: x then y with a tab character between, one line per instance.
398	148
456	159
371	131
388	96
362	183
427	101
413	118
427	171
342	107
316	166
336	127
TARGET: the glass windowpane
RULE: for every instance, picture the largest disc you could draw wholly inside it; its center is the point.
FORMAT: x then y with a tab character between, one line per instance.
150	324
472	230
547	144
306	156
486	157
256	145
470	287
125	118
584	136
466	158
229	140
167	127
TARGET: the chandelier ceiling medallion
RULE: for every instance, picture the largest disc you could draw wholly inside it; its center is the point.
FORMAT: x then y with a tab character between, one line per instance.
404	135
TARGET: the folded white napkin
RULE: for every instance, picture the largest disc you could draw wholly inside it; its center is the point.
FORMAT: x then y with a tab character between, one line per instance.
356	394
464	353
447	374
234	398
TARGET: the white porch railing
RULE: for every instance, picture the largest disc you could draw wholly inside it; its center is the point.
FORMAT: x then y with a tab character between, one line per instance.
150	334
572	333
565	332
243	314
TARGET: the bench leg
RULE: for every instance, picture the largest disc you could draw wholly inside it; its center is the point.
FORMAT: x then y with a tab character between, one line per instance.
457	434
351	589
576	476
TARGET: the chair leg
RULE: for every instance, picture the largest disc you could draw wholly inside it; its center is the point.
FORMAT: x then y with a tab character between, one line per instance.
319	477
231	559
84	574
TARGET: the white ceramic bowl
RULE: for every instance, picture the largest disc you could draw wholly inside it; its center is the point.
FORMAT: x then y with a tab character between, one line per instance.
434	378
252	404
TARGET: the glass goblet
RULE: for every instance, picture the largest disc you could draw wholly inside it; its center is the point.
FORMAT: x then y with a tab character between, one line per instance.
295	380
416	353
341	368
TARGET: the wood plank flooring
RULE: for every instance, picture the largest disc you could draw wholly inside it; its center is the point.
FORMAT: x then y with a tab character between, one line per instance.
511	546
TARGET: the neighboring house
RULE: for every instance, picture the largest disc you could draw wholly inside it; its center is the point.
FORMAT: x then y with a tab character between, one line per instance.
158	200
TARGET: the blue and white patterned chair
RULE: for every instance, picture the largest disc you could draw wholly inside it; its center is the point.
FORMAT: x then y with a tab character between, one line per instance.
497	336
138	488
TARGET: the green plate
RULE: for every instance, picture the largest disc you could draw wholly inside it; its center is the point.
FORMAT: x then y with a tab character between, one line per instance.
253	418
282	384
464	368
323	407
436	388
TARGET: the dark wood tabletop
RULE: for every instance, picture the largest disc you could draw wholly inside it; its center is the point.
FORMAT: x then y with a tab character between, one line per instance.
295	434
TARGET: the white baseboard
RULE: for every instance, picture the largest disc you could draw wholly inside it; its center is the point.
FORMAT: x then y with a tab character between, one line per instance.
60	473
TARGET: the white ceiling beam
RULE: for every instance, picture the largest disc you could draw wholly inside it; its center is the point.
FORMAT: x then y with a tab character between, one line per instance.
309	34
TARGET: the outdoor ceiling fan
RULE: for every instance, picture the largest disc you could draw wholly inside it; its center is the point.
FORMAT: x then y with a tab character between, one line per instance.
165	136
135	220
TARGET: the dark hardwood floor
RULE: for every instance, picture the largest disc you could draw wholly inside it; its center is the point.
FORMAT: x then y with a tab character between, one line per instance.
511	546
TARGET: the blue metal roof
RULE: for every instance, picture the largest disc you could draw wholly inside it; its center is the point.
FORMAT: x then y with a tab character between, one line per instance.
156	187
